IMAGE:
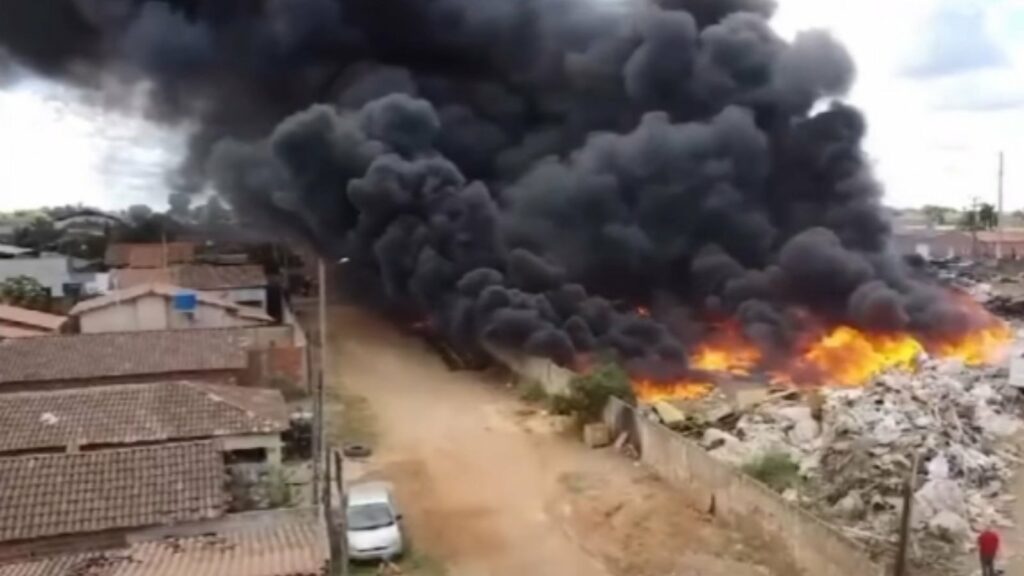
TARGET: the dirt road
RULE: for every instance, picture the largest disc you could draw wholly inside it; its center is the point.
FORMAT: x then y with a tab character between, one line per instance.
489	488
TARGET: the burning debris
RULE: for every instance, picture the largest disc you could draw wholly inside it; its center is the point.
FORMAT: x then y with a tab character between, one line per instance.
511	170
852	449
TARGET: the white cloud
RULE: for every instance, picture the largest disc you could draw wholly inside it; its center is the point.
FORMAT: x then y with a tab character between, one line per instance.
933	140
57	148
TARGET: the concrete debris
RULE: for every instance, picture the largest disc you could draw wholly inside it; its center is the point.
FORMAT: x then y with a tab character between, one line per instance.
856	445
670	415
597	435
949	527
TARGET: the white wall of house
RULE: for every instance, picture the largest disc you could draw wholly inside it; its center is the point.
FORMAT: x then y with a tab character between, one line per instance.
153	312
270	442
255	297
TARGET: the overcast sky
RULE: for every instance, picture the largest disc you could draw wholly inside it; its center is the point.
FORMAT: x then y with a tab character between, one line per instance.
941	82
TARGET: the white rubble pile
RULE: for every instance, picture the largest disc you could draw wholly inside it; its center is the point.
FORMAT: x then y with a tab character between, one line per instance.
958	419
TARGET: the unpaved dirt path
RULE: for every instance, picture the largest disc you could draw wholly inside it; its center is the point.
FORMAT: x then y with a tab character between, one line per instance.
490	489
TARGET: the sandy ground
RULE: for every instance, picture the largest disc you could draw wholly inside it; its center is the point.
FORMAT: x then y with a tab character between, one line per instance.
489	487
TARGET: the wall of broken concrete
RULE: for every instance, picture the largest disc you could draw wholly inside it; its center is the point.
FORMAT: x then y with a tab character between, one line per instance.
814	546
551	377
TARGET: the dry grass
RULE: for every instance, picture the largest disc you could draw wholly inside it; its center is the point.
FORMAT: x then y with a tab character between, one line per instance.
350	418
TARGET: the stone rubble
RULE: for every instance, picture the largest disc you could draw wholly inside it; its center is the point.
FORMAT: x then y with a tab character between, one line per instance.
856	456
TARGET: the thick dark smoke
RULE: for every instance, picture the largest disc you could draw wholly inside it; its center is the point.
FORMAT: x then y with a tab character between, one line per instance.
526	172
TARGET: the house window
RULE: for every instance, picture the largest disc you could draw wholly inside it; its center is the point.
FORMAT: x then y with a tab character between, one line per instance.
72	290
246	456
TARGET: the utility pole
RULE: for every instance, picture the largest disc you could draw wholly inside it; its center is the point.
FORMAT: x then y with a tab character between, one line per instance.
318	396
974	223
999	210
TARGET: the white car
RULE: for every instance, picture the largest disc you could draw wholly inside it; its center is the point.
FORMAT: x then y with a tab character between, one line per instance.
373	523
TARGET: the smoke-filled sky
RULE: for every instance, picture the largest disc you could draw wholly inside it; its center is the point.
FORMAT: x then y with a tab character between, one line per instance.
941	83
533	174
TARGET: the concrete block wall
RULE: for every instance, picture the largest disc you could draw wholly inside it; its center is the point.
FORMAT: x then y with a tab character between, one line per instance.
551	377
813	545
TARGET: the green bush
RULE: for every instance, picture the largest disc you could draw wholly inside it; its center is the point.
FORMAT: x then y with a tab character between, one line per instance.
590	392
532	392
777	470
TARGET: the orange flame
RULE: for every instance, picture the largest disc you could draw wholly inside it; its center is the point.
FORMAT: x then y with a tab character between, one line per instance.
978	347
726	351
649	391
842	356
849	357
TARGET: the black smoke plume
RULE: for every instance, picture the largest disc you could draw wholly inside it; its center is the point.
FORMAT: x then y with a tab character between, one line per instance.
526	172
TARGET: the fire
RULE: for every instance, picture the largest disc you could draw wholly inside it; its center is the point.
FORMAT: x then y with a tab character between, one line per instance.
726	351
649	391
840	356
849	357
978	347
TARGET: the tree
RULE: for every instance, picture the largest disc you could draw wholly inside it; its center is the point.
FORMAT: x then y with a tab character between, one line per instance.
25	292
988	217
39	234
937	215
969	221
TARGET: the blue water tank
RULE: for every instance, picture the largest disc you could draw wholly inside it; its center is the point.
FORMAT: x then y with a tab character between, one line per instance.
185	301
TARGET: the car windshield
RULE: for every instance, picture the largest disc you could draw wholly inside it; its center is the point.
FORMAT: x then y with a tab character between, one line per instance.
369	516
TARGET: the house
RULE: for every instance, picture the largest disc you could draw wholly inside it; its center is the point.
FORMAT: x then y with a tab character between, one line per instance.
246	423
57	273
245	285
934	244
163	307
277	543
8	251
18	322
960	243
56	502
76	360
1001	244
149	255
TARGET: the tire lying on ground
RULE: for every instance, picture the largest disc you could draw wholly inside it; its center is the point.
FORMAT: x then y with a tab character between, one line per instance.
357	451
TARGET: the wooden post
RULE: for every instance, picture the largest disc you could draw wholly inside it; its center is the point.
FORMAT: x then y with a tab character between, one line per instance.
908	508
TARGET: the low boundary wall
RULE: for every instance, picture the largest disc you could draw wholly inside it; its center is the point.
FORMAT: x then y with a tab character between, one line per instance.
814	546
554	379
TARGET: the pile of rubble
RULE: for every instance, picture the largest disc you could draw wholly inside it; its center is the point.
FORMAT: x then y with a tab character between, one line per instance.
855	449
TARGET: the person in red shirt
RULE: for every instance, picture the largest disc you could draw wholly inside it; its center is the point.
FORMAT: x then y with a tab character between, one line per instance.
988	548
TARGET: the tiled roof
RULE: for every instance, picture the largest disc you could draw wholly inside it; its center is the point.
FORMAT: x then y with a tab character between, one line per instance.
194	276
59	494
207	277
12	251
293	546
121	354
168	291
134	413
150	255
31	318
17	332
1003	236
